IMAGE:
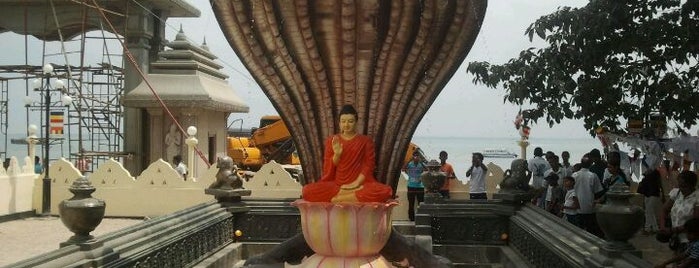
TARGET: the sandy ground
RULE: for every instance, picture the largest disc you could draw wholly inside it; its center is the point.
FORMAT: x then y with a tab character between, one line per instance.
25	238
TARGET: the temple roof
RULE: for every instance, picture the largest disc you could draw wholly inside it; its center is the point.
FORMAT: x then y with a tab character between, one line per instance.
40	23
186	75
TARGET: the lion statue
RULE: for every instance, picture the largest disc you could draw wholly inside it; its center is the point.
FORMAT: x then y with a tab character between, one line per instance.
227	177
516	178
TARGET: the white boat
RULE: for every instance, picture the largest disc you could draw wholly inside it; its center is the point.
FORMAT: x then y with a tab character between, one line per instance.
498	153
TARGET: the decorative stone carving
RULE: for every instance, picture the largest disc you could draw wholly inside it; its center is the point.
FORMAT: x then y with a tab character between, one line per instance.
228	186
515	185
433	179
188	250
82	213
345	234
473	229
227	177
533	249
516	178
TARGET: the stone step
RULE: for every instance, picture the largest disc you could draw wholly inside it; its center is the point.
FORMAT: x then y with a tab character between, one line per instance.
406	228
239	264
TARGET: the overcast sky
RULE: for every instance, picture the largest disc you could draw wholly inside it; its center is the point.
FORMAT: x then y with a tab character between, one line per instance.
461	110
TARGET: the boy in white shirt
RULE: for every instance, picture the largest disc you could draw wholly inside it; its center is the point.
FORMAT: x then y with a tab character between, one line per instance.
570	204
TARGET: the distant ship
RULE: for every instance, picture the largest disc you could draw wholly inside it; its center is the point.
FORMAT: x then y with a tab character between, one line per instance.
498	153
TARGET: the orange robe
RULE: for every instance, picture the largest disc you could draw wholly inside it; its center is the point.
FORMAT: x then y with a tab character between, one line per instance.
357	158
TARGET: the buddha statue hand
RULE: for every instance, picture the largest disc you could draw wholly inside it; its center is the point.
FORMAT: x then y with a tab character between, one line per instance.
355	184
346	195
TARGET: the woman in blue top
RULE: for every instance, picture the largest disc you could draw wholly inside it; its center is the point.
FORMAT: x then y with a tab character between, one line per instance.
416	191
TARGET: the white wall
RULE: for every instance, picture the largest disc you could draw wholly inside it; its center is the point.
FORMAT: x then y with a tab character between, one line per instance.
16	185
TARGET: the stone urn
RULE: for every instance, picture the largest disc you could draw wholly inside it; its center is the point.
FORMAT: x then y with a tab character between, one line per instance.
345	234
433	178
81	213
618	218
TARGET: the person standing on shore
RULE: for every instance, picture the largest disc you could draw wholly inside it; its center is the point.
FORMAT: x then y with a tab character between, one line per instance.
565	157
416	190
538	167
477	172
598	165
557	169
570	203
38	169
449	171
587	188
555	196
650	188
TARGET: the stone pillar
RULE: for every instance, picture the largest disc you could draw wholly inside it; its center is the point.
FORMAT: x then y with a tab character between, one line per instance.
157	130
191	143
139	32
523	143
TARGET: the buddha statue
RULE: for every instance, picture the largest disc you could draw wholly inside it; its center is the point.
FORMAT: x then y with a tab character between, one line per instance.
348	167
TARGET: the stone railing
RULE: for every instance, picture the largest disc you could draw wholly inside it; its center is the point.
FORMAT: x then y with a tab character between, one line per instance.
539	238
548	241
180	239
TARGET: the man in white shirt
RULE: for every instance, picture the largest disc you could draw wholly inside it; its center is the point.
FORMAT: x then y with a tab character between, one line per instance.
477	173
180	167
538	167
587	188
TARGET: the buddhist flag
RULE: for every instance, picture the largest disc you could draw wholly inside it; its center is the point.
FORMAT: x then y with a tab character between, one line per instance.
56	125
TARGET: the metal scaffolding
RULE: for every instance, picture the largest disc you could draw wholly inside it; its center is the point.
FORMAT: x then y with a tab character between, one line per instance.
93	121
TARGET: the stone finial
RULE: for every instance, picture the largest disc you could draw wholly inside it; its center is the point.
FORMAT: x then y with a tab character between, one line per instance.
619	219
82	213
180	35
433	179
204	46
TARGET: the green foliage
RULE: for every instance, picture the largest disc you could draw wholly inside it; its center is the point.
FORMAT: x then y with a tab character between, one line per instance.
606	61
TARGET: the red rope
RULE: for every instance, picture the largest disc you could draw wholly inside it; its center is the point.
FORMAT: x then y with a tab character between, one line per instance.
132	60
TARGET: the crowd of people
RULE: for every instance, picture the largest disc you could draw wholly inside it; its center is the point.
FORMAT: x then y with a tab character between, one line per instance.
571	191
585	184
